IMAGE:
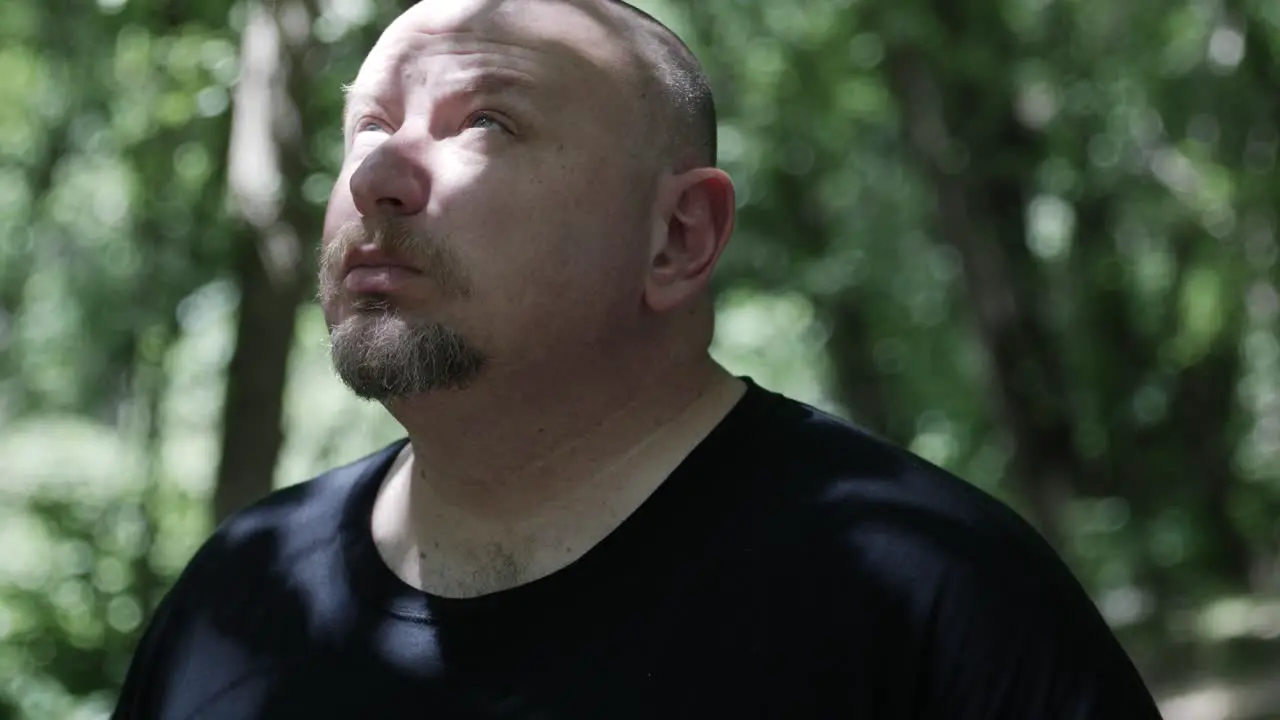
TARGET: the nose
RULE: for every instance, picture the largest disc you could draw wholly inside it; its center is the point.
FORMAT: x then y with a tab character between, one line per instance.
389	182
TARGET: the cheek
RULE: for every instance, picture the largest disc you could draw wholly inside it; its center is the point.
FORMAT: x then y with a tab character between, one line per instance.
534	244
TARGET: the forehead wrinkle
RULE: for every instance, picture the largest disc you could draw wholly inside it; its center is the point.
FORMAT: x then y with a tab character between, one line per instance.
487	82
558	53
406	64
560	30
416	63
486	66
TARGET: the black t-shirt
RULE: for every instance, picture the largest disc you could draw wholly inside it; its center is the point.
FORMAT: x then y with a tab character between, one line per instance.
792	567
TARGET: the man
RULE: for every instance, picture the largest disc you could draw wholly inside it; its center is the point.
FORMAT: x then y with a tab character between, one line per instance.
589	518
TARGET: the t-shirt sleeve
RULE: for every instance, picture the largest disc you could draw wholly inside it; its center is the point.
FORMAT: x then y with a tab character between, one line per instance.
1025	641
135	698
151	669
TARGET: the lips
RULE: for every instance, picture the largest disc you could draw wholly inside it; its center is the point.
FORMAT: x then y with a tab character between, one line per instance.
379	280
369	270
374	258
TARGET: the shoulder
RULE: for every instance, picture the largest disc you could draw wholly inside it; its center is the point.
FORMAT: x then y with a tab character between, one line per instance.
869	507
867	496
297	516
911	573
248	581
287	523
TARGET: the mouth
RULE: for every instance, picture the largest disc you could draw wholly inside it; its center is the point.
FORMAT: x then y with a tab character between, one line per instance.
367	260
370	271
379	280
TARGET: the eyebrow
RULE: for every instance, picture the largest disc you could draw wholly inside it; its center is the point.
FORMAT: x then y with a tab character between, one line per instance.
474	83
350	97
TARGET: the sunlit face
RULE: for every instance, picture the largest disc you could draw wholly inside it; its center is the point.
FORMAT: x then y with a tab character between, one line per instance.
490	212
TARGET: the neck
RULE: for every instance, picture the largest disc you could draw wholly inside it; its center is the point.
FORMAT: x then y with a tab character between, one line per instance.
509	450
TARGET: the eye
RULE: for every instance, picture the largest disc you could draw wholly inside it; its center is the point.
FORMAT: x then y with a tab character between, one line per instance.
370	125
485	120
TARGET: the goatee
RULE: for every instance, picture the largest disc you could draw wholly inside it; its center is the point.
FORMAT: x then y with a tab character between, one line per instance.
380	352
383	356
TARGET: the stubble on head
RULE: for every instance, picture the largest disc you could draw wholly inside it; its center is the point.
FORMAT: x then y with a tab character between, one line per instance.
380	350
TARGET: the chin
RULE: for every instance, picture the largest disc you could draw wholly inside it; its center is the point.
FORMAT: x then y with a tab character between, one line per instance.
382	354
344	310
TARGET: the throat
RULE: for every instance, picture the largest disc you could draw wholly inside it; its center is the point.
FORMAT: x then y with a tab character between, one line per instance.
456	549
440	549
483	569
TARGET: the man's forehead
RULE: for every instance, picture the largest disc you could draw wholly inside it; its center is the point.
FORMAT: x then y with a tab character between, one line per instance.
589	17
549	35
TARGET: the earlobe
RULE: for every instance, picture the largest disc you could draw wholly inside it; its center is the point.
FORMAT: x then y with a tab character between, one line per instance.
699	223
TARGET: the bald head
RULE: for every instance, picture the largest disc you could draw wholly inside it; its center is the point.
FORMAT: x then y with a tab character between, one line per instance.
558	155
680	107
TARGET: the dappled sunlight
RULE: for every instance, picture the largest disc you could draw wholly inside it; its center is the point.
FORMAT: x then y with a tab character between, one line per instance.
775	340
1245	617
1255	700
327	425
1216	702
1037	248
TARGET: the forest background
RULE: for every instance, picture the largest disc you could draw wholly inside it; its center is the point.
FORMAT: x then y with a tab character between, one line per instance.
1034	241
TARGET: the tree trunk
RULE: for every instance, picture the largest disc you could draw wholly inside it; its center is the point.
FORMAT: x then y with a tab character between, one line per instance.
267	160
981	162
1201	414
253	408
860	386
1186	458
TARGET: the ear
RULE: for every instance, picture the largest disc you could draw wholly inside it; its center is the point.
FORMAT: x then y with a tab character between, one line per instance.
696	212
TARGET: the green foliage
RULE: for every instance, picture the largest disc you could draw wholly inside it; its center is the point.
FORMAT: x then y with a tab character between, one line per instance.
1034	242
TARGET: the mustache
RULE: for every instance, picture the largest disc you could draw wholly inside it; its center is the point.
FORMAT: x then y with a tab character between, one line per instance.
396	237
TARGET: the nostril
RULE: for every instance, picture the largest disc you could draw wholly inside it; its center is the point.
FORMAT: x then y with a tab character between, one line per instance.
390	181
